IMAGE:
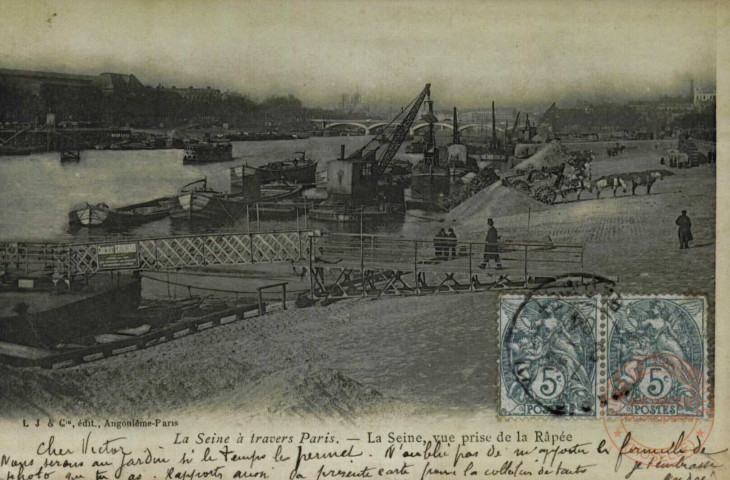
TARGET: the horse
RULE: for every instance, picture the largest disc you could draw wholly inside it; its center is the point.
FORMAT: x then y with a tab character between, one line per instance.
646	179
575	184
613	181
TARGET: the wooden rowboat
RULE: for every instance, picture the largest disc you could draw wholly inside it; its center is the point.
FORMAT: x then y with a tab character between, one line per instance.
87	215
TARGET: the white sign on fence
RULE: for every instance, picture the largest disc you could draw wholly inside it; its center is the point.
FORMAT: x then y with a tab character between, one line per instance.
121	255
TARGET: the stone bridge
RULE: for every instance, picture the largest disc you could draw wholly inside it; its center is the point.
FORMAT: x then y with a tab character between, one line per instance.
370	126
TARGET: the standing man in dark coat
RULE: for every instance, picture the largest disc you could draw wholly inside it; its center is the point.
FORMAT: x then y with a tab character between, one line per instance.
685	230
491	247
452	243
439	244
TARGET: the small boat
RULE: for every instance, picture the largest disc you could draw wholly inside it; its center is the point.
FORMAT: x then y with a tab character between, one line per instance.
87	215
297	170
208	152
196	202
69	156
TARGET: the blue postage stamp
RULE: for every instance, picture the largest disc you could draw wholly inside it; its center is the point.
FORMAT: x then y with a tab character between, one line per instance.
548	356
656	357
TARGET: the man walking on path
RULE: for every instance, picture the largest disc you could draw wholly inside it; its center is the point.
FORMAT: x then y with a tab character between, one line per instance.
491	247
685	230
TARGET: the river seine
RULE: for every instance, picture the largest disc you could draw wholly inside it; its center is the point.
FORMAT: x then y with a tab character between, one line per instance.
37	191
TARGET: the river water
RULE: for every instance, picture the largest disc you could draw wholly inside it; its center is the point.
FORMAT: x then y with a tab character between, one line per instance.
37	191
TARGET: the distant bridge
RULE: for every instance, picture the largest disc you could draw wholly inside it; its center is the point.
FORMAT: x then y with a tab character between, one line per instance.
370	126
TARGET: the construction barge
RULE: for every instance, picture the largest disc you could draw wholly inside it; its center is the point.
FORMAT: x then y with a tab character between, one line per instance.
362	185
36	311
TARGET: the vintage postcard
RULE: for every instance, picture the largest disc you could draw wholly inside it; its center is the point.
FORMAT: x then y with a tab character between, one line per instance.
316	239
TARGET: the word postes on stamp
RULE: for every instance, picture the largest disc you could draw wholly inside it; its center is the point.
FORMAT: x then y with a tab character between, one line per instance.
656	357
548	357
657	408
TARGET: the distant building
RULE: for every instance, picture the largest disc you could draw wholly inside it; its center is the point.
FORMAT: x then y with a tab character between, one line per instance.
587	107
703	95
192	94
643	106
674	107
35	82
501	115
117	82
351	103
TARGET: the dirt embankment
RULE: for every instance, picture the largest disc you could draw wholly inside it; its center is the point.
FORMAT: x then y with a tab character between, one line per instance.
344	360
496	200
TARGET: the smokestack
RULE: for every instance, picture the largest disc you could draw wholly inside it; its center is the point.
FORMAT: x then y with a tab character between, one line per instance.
494	127
342	152
455	138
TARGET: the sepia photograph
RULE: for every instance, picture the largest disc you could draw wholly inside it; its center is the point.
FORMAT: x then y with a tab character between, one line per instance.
498	218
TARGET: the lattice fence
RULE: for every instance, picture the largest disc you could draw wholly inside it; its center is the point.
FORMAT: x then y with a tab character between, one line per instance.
161	253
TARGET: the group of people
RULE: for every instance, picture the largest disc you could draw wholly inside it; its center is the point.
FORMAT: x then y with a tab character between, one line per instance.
445	244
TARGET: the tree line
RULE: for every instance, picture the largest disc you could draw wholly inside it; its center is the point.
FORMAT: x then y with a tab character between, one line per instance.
151	107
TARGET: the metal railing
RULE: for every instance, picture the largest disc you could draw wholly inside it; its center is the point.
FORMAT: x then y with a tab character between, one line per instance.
155	253
422	264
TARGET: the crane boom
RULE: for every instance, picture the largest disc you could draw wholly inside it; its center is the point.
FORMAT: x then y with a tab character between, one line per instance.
514	127
401	131
545	115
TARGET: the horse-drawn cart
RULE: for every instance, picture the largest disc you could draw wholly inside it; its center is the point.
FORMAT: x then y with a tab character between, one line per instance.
546	184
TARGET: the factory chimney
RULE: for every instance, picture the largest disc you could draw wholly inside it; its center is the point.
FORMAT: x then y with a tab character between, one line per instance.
455	138
494	128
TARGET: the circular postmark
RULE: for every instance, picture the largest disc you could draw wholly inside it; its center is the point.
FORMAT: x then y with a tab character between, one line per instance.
550	349
657	410
657	406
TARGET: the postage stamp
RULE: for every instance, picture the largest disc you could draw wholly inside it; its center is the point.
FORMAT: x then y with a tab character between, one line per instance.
548	356
656	356
657	406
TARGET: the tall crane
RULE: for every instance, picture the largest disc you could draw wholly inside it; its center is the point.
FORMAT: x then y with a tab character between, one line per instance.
545	115
399	135
514	127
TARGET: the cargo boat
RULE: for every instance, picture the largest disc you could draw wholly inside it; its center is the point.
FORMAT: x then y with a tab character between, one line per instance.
196	202
45	316
87	215
208	152
298	170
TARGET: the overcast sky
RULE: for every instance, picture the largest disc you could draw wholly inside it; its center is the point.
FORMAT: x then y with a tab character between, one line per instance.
472	52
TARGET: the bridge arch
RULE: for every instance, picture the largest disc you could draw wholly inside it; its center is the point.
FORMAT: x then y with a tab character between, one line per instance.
381	126
415	128
487	127
351	124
